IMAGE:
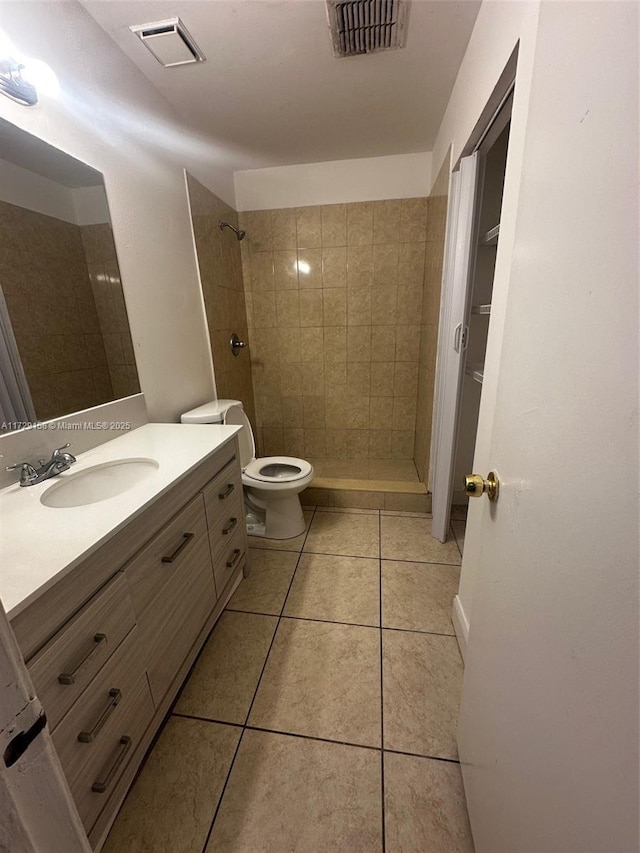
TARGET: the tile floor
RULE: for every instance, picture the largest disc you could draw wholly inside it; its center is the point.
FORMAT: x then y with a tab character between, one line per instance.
321	713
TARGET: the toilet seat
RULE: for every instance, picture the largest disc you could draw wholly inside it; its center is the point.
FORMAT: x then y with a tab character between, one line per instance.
284	469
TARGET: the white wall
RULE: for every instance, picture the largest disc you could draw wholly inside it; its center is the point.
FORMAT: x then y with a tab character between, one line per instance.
110	117
336	182
499	29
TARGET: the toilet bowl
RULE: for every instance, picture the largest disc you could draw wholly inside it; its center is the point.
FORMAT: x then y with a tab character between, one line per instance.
271	484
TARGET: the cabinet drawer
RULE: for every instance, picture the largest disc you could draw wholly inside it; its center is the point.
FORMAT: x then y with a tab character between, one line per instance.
101	732
223	491
225	526
169	628
230	557
69	661
170	553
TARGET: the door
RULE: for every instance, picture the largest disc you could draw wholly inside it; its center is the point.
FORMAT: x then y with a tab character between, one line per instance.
458	268
548	732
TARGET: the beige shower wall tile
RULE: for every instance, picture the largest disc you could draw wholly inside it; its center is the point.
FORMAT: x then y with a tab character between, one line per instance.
289	344
334	266
313	377
359	378
413	220
273	441
385	261
404	413
309	268
384	305
315	442
335	344
382	373
334	225
383	343
405	380
290	380
360	224
264	308
287	308
313	412
257	224
292	415
283	228
411	264
311	344
359	266
309	227
359	306
262	274
408	344
293	441
379	444
335	377
334	301
285	269
409	305
264	343
336	444
311	308
402	444
380	413
386	221
359	343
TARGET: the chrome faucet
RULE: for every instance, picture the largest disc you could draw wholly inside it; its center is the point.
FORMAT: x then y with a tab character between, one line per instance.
59	462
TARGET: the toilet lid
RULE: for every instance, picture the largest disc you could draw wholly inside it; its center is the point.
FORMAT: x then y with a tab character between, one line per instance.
236	415
282	469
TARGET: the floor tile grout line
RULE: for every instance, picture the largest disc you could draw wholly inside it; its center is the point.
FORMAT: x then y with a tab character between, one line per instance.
340	622
382	788
363	557
222	792
255	692
254	728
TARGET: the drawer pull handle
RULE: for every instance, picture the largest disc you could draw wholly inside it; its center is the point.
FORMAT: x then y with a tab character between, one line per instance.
70	677
224	495
106	778
232	523
186	538
115	696
234	558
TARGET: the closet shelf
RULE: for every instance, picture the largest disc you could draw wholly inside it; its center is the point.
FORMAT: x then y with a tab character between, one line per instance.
491	237
475	372
481	309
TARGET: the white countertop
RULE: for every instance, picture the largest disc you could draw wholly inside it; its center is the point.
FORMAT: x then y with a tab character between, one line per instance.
40	544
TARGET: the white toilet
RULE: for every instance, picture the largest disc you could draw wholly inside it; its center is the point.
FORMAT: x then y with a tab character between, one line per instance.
272	484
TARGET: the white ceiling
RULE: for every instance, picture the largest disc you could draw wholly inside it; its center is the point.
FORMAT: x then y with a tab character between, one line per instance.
271	90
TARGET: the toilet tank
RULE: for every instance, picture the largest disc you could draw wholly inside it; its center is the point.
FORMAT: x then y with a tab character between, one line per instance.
209	413
229	412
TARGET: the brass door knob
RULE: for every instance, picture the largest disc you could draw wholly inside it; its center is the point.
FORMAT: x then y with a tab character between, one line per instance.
475	486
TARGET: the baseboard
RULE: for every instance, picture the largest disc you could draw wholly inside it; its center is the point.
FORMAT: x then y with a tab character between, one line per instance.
461	626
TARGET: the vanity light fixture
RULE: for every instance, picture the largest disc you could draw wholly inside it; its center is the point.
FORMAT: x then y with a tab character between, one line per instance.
170	42
14	84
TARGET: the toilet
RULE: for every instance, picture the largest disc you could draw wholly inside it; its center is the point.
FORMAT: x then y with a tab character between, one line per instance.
272	484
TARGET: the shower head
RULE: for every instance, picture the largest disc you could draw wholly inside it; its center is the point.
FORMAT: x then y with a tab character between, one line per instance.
237	231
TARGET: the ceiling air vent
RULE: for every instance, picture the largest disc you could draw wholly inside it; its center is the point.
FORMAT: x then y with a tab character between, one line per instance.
366	26
170	42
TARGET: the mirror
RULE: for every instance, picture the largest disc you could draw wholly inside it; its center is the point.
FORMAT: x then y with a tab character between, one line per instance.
65	341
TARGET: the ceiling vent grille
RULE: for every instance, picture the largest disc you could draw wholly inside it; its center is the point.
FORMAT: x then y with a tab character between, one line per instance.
170	42
367	26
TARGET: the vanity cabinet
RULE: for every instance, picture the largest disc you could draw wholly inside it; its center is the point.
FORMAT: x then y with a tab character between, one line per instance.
109	646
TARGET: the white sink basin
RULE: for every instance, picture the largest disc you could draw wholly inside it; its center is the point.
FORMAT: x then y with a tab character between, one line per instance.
98	483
